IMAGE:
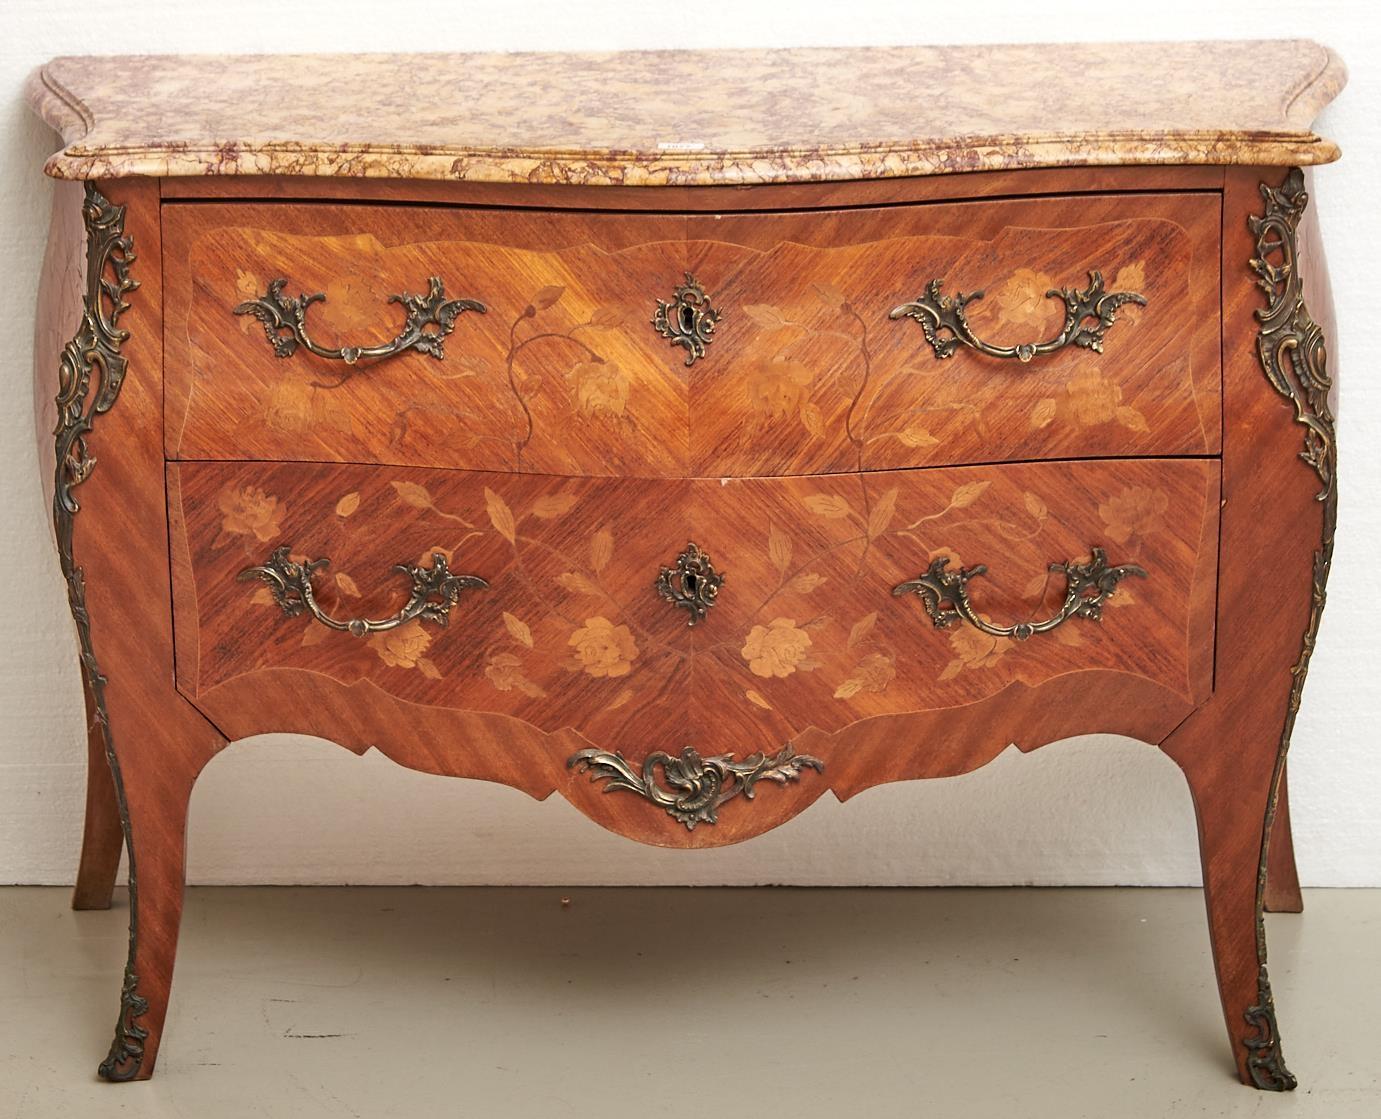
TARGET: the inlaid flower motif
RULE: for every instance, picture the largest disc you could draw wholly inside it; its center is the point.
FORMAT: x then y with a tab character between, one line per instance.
779	387
973	648
603	648
1136	511
1021	299
872	674
249	511
402	647
600	387
776	649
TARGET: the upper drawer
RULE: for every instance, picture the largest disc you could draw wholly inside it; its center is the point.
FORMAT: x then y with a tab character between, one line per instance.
813	364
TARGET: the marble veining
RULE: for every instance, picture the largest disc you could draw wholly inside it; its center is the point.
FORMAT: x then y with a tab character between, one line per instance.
689	117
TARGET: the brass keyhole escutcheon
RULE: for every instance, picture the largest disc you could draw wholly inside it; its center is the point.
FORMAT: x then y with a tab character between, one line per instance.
688	319
692	584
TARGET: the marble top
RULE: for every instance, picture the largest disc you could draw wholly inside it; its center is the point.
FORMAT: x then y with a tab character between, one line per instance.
689	117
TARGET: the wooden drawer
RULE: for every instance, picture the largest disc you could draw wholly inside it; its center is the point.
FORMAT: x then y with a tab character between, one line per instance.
807	372
806	631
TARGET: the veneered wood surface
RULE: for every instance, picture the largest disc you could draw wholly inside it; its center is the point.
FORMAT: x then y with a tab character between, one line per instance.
161	742
570	633
682	117
564	373
1270	530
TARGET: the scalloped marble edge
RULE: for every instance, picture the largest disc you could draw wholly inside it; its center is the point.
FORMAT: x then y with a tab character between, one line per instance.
73	120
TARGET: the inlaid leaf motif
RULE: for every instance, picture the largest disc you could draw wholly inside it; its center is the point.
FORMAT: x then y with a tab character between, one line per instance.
916	434
1035	589
882	512
764	314
500	515
314	635
967	494
347	585
1068	635
1043	414
601	549
812	419
829	295
606	318
778	548
348	504
548	295
756	699
828	505
1035	505
862	628
428	669
551	505
620	700
577	583
418	496
262	597
518	628
805	582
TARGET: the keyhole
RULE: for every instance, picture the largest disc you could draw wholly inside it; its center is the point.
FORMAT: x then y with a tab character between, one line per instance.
690	581
686	315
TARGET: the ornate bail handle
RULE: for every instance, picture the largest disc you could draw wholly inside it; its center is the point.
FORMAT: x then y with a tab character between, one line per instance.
434	591
429	319
693	584
688	320
1090	585
1088	314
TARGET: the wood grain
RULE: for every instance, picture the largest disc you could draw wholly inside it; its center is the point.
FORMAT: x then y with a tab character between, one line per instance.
1270	529
161	741
807	374
570	636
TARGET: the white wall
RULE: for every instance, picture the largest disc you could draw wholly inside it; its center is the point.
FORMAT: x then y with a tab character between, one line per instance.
277	809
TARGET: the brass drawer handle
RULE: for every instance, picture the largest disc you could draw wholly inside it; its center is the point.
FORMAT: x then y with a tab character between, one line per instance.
694	787
1090	585
1088	314
434	591
693	584
285	322
688	320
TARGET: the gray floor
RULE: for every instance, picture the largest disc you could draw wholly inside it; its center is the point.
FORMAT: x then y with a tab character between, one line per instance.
498	1003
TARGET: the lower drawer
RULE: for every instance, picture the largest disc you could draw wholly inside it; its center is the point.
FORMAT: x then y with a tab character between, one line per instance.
842	597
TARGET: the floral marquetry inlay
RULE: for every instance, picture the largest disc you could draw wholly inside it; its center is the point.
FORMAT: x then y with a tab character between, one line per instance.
806	632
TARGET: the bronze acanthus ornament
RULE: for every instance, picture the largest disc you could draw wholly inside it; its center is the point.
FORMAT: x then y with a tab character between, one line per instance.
1088	586
1088	314
688	320
692	788
1294	357
429	318
434	591
692	585
90	373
